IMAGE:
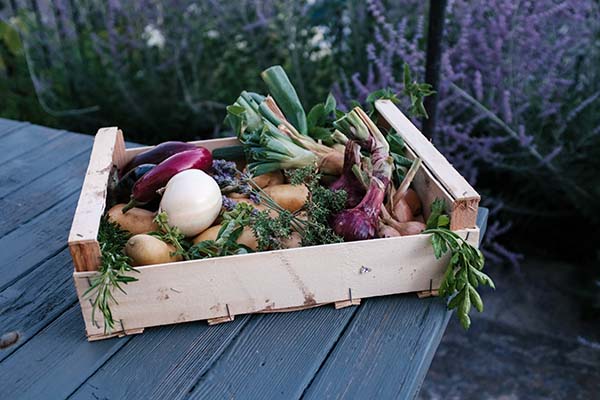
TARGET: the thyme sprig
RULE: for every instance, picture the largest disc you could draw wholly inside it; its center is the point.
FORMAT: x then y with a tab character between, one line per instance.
225	244
310	221
464	271
112	274
171	235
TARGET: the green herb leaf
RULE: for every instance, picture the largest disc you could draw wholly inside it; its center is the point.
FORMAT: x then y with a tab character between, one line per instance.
463	273
114	267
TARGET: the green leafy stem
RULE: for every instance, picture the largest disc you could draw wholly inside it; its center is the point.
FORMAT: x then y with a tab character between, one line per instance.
464	271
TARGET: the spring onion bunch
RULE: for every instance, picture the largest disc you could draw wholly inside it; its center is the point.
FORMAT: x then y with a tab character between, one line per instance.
273	130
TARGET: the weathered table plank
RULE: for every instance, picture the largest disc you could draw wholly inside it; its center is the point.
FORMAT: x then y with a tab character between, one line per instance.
37	162
381	353
35	241
275	356
7	126
174	357
33	301
25	138
56	361
42	193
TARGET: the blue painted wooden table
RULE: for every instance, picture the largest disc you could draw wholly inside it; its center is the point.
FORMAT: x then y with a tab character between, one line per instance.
381	349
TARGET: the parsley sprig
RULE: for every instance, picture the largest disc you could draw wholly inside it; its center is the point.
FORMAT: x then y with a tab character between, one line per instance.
112	274
464	271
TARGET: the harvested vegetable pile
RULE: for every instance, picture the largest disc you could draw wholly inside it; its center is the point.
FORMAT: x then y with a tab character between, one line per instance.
296	180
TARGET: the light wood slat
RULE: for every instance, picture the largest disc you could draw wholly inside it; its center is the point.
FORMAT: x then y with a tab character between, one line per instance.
233	285
456	185
466	199
108	150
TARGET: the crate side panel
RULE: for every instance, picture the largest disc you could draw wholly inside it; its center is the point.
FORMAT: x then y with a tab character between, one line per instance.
108	148
211	288
456	185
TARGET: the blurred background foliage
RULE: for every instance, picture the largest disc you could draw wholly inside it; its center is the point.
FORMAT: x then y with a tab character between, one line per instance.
519	95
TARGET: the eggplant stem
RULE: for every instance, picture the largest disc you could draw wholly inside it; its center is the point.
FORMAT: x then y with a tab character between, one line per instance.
132	203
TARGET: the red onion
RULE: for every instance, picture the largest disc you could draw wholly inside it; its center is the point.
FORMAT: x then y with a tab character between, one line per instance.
361	222
348	181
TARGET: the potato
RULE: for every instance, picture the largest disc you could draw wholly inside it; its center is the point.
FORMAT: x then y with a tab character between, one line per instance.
259	207
269	179
209	234
237	196
148	250
289	197
246	238
295	240
136	220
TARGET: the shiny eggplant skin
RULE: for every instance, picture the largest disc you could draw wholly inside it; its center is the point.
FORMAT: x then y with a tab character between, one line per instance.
146	187
156	155
122	191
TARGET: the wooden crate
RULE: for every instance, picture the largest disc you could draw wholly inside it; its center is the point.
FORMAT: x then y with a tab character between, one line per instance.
218	289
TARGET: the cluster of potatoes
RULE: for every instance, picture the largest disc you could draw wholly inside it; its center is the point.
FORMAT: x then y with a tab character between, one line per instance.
145	249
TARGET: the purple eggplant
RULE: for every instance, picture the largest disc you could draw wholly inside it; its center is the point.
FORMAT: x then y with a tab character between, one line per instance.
146	187
122	190
156	155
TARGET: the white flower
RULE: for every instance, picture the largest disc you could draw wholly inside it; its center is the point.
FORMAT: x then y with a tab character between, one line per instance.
319	33
319	42
153	37
241	45
212	34
192	9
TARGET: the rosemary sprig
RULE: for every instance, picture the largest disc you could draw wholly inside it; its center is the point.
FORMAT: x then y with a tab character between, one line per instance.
112	273
464	271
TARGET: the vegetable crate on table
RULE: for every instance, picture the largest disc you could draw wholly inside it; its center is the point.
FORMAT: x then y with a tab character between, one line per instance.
218	289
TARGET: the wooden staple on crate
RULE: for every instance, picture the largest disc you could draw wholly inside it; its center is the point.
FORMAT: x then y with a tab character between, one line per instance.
347	303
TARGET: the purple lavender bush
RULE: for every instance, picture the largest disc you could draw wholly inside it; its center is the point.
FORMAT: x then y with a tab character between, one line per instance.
518	100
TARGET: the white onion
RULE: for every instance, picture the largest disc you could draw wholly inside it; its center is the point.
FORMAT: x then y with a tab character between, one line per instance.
192	201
